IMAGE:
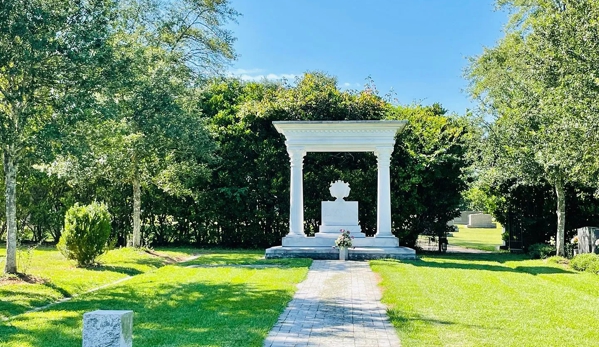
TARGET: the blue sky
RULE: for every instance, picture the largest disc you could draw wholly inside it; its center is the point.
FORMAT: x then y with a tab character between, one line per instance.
417	48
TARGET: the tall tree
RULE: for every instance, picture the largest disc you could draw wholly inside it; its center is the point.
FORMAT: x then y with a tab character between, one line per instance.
171	46
152	134
48	49
541	84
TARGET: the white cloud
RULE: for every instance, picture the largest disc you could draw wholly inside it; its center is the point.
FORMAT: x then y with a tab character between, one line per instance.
257	75
351	85
237	72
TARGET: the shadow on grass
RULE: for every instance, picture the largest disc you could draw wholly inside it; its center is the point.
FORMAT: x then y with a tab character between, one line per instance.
473	245
65	293
242	260
112	268
406	322
172	314
10	308
22	299
475	262
498	257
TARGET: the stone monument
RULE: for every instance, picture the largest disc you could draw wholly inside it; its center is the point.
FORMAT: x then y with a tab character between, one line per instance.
480	220
303	137
339	214
464	217
108	328
587	236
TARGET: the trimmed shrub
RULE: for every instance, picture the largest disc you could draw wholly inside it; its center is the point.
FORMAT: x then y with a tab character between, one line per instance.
541	251
86	233
586	262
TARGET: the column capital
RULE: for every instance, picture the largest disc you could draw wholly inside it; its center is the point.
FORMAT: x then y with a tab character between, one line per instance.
383	152
294	151
383	155
296	155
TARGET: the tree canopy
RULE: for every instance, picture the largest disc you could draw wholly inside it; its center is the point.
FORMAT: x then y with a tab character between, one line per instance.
51	53
540	83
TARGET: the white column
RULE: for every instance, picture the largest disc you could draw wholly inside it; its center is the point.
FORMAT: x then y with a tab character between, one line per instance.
296	192
383	212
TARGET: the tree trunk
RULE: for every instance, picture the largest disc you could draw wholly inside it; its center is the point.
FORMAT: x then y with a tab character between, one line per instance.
10	177
561	217
136	212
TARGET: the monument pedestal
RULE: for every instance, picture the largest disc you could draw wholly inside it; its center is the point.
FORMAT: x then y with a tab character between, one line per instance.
339	214
330	253
336	216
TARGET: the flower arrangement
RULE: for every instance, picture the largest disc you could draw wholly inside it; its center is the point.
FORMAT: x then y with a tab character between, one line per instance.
574	240
344	240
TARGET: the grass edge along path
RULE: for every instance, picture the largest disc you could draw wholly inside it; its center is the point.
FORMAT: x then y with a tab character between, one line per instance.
52	278
65	299
218	304
489	300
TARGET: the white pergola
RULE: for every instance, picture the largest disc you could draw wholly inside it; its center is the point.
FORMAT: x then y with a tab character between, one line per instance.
340	136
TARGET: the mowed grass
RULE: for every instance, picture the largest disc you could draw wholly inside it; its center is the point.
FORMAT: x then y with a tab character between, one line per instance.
223	298
489	300
53	277
486	239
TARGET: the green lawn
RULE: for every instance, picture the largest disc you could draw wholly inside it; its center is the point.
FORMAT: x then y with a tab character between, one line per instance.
484	239
229	298
489	300
54	277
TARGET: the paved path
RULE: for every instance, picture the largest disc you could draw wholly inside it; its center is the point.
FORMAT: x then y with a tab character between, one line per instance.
337	305
458	249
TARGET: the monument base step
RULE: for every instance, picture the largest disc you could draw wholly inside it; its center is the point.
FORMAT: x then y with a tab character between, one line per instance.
322	241
330	253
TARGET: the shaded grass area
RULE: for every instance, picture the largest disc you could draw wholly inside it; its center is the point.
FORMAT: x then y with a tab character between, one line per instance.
54	277
478	238
177	305
252	258
489	300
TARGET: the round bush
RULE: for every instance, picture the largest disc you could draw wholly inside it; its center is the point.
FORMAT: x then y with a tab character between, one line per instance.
86	233
586	262
540	251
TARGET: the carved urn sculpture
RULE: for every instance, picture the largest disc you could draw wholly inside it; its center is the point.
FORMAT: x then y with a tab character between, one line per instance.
339	190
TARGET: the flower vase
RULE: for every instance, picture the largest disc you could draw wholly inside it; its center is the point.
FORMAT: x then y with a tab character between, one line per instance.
343	253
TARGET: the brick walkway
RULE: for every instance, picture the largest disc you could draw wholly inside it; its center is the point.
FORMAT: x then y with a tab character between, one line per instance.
337	305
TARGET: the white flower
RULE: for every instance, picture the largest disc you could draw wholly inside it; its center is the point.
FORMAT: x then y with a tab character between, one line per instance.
344	240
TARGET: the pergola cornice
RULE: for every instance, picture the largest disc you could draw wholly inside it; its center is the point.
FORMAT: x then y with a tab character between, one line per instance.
340	136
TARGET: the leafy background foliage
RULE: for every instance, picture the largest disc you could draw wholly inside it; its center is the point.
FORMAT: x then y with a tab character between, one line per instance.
242	197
